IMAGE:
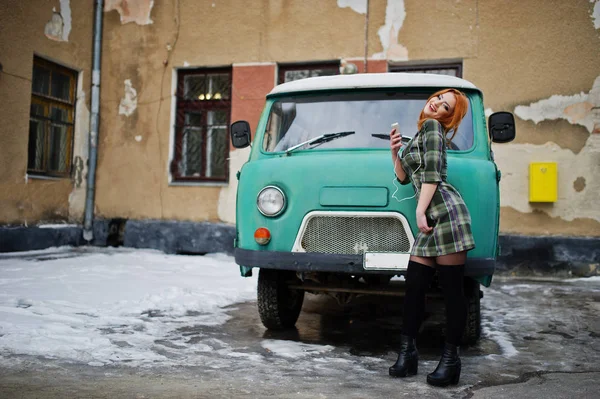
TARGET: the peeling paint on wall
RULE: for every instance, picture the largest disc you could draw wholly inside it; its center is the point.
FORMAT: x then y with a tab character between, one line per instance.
65	11
137	11
594	98
596	14
388	34
581	109
59	26
129	102
237	159
579	184
513	160
77	171
80	154
54	27
359	6
556	107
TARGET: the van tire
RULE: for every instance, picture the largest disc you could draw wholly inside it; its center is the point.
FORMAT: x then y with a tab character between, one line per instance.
473	324
278	306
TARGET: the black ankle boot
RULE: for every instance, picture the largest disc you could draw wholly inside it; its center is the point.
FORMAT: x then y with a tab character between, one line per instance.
408	358
448	370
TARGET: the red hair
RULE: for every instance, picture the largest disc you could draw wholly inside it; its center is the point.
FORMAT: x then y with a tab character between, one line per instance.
453	119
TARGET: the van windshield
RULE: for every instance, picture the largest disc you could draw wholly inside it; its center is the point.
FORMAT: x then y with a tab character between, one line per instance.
296	119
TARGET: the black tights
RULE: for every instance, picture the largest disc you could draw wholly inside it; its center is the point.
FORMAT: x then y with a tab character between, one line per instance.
418	279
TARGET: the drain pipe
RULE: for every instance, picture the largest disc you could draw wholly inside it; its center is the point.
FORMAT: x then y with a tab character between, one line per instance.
88	233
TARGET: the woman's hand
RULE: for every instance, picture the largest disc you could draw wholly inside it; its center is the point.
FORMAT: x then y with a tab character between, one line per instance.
395	145
422	222
395	142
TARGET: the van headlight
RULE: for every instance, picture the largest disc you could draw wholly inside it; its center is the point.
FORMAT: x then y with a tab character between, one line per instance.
270	201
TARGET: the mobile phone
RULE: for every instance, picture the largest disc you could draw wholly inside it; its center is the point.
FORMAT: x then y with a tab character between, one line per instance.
404	138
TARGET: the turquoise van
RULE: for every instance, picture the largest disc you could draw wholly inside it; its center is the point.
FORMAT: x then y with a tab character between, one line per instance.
318	207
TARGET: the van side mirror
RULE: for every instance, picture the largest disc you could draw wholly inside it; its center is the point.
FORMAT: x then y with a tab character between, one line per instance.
502	127
240	134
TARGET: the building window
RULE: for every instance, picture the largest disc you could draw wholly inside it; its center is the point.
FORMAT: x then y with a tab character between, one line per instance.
449	69
51	119
202	126
290	72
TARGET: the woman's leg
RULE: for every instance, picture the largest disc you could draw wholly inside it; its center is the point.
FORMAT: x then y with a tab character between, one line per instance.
457	258
451	270
418	277
424	261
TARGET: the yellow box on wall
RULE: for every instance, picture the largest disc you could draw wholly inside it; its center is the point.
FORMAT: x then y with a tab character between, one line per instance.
543	182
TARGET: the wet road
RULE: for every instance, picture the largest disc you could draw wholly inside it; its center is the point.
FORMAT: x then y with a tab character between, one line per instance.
536	334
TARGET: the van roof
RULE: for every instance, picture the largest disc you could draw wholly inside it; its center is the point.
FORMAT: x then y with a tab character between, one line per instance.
372	80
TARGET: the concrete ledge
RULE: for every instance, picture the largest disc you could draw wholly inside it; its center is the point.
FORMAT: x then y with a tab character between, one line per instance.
167	236
561	256
14	239
21	238
180	237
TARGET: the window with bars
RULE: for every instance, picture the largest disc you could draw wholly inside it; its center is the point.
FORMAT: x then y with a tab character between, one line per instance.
202	126
450	68
290	72
51	119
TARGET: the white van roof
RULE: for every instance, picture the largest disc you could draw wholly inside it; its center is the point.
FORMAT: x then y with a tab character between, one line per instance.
373	80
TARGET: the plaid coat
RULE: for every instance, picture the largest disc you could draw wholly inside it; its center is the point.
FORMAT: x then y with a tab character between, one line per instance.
424	161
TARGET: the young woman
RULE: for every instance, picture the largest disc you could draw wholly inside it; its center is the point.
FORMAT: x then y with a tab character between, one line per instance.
444	233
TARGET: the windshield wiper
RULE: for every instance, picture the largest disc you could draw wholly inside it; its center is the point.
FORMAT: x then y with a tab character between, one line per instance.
381	136
387	137
324	138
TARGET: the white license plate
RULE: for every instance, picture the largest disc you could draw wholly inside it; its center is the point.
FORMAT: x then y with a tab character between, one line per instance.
385	261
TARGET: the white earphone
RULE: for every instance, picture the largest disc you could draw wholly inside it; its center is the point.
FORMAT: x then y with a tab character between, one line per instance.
395	126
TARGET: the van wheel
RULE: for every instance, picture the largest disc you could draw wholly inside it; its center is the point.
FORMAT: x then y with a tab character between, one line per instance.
473	325
278	306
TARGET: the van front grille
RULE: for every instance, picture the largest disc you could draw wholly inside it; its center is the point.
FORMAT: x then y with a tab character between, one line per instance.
354	234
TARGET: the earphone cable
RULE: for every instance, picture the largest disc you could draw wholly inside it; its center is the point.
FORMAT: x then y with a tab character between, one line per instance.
412	180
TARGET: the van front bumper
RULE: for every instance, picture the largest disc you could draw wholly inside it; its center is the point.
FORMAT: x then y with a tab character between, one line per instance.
351	264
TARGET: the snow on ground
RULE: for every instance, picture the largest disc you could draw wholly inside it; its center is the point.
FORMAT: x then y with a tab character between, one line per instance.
143	308
107	307
294	350
523	318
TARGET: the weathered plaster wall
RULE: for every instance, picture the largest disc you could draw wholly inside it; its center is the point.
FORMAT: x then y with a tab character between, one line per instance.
131	175
135	138
519	55
536	59
540	60
28	28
